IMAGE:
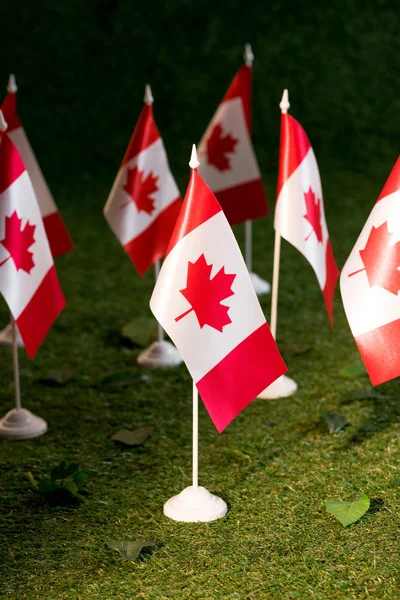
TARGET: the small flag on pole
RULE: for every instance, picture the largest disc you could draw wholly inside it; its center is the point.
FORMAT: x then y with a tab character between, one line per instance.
28	279
227	161
370	282
144	201
57	234
205	301
299	213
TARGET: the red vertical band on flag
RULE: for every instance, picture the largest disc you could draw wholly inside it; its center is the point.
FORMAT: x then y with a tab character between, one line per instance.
149	246
380	352
11	165
57	234
294	146
241	88
41	311
332	274
244	201
9	110
198	206
144	134
235	381
393	183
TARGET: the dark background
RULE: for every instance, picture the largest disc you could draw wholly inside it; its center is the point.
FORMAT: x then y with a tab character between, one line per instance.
81	68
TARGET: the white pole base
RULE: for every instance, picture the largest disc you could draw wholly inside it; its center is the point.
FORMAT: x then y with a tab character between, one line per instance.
160	355
281	388
21	424
195	504
261	286
6	338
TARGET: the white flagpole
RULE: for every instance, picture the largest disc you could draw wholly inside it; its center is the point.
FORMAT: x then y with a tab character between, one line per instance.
248	226
195	436
284	386
160	329
16	365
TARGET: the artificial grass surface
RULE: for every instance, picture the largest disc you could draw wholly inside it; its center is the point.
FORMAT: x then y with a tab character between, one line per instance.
275	465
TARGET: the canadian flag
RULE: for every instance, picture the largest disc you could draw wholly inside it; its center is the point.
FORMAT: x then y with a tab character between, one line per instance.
205	301
57	234
299	212
370	282
227	160
144	201
28	279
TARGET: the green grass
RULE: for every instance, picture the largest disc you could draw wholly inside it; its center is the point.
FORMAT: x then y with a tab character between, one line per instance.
81	68
275	465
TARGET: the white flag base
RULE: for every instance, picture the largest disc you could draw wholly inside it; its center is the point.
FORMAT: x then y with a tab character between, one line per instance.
195	504
281	388
160	355
6	337
21	424
261	286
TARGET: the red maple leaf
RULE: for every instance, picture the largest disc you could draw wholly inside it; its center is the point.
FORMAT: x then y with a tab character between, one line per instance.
313	214
205	294
18	241
381	260
218	146
140	190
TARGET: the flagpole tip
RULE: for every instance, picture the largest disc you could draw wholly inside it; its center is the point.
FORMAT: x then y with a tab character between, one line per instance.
194	161
3	124
248	55
284	104
12	86
148	96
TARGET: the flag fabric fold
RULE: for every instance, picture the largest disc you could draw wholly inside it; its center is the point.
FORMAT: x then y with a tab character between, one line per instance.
28	279
57	234
299	213
144	201
227	160
370	282
205	301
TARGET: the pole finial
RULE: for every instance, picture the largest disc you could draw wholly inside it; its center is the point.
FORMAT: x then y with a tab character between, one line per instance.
148	96
194	161
12	86
3	124
284	104
248	55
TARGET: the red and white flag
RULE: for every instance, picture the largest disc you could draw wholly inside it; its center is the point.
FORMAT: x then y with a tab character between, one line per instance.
227	161
205	301
28	279
299	212
57	234
144	201
370	282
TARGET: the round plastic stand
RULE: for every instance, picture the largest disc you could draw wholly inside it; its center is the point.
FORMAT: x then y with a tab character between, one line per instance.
6	337
195	504
261	286
160	355
21	424
281	388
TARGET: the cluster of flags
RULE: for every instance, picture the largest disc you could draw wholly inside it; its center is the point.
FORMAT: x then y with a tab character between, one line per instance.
204	297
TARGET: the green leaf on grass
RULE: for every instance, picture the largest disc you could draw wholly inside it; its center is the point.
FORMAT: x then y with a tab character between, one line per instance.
120	380
32	480
63	471
364	394
335	422
348	512
132	438
354	370
130	550
140	331
57	377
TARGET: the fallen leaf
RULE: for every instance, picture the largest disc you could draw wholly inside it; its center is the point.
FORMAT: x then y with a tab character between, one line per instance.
120	380
130	550
335	422
132	438
348	512
364	394
353	370
56	378
141	331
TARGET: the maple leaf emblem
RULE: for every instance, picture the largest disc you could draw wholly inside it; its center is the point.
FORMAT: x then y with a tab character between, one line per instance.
205	294
17	242
313	214
140	190
381	260
218	146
